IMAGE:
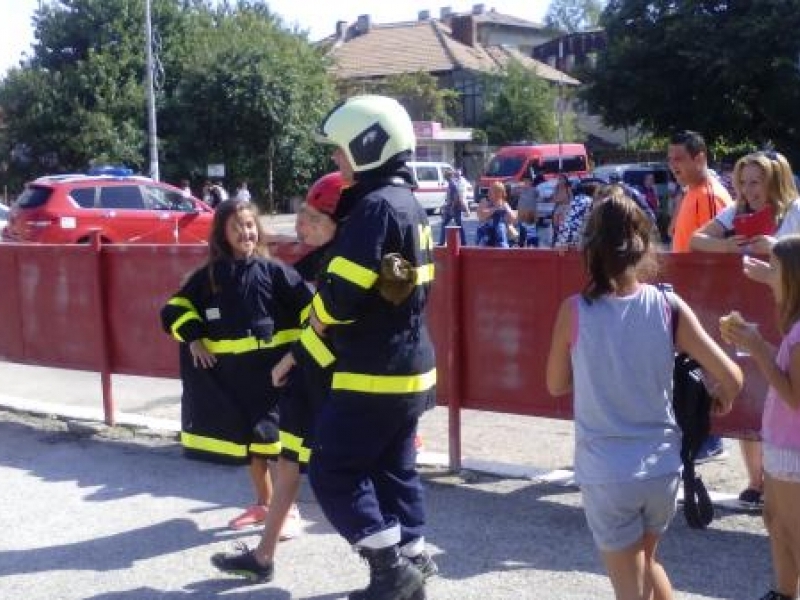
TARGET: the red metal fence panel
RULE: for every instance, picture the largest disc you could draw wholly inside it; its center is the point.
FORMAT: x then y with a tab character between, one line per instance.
491	314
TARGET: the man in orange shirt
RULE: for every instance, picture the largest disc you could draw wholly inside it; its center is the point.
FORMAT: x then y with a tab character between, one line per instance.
704	195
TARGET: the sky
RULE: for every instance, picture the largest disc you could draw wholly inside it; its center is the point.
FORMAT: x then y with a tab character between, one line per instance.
317	16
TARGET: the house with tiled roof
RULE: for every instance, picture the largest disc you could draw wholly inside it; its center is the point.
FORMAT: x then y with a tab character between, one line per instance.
449	49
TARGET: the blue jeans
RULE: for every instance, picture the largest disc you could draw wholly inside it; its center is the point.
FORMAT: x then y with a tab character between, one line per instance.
449	215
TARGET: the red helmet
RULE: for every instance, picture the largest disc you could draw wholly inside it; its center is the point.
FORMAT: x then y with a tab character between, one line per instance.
324	194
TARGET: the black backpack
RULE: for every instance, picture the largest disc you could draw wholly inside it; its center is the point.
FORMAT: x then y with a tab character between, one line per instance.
691	404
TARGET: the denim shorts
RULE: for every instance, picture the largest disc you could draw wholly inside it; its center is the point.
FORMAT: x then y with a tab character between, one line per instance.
619	514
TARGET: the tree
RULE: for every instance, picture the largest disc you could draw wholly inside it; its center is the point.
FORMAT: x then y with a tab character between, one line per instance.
573	15
418	92
250	96
520	106
237	87
727	69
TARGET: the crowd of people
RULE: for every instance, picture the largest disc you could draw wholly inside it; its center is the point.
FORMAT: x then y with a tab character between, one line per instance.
325	367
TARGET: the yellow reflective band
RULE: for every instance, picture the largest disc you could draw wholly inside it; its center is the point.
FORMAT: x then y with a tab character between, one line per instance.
271	449
184	318
207	444
294	444
181	302
424	274
305	313
316	347
250	344
352	272
384	384
425	237
322	313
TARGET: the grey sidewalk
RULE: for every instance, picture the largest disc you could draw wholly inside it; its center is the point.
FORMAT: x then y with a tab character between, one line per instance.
501	444
134	521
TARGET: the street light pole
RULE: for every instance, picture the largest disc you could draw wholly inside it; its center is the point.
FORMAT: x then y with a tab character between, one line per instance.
151	97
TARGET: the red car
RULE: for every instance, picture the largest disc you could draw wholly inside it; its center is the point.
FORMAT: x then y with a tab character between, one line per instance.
127	209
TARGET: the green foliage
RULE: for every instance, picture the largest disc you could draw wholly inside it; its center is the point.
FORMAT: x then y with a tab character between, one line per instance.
519	106
727	69
236	88
418	92
573	15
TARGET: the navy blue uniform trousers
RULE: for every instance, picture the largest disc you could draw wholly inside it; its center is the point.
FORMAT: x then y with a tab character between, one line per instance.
363	467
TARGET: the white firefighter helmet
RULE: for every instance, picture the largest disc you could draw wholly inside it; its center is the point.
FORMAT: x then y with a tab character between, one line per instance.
369	130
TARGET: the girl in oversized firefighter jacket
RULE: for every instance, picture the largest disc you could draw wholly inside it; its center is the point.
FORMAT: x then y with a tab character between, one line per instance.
235	317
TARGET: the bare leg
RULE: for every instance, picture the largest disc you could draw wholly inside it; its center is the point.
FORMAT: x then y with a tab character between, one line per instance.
782	500
753	463
287	483
262	480
635	574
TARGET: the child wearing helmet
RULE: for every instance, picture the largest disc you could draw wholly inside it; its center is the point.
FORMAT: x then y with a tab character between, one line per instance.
363	470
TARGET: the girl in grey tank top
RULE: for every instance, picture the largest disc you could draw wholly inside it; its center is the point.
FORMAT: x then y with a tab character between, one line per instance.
612	347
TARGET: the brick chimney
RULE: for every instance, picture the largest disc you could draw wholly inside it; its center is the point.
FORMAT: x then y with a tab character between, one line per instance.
464	29
363	24
341	30
445	12
424	15
478	9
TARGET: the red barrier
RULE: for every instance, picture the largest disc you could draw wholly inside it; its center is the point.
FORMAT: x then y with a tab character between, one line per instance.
491	314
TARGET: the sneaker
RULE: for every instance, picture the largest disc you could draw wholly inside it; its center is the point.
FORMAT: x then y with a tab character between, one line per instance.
254	515
712	449
751	499
424	564
291	525
243	563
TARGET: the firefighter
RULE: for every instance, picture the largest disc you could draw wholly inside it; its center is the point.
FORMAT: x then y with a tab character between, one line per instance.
370	308
233	330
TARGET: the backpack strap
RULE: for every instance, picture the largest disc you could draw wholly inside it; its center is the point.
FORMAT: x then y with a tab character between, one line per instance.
674	308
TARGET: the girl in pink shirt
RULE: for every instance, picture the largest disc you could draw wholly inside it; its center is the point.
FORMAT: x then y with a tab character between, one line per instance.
781	418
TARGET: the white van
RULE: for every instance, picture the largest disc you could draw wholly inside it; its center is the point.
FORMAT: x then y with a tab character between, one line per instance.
431	189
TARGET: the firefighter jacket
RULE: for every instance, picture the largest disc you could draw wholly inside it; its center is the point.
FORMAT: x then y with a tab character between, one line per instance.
381	349
246	312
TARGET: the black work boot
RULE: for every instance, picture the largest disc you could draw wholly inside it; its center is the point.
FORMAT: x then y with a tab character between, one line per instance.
391	577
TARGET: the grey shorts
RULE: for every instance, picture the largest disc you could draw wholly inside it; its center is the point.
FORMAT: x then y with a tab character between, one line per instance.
619	514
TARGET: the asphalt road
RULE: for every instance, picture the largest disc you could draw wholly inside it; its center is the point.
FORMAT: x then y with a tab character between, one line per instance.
95	513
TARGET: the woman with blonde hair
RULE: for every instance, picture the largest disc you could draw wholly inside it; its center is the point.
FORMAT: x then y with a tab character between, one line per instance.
496	219
767	207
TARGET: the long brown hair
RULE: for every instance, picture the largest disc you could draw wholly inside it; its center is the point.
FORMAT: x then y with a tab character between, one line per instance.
617	237
787	252
218	246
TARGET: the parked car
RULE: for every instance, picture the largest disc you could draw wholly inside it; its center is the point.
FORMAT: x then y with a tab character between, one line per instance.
516	164
126	209
431	190
634	173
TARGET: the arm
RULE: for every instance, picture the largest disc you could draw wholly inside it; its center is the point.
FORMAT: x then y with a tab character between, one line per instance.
484	210
693	339
559	362
711	238
352	272
786	384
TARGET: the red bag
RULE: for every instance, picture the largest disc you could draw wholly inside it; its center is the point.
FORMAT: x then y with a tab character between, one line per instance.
761	222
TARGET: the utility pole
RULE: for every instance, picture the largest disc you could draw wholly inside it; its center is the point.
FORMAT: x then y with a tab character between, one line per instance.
152	136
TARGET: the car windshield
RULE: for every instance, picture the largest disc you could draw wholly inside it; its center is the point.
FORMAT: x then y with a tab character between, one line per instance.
504	166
